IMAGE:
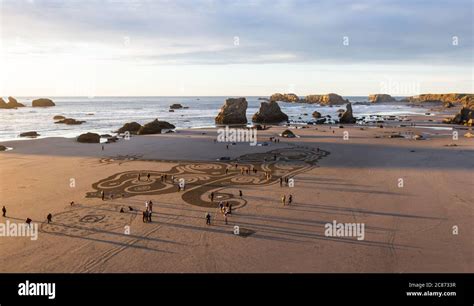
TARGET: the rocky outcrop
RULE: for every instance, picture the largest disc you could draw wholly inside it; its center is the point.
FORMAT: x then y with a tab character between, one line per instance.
155	127
269	112
381	98
89	138
59	117
233	112
454	98
12	103
465	116
70	121
3	148
329	99
43	102
29	134
176	106
131	127
316	115
347	116
288	97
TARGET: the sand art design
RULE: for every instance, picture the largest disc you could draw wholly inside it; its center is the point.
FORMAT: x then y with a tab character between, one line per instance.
86	220
202	178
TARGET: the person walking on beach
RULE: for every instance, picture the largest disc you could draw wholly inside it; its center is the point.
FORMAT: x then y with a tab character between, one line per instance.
28	221
145	216
49	218
221	206
148	177
225	217
212	196
102	195
139	176
230	209
150	206
4	211
290	199
281	182
240	194
283	200
208	218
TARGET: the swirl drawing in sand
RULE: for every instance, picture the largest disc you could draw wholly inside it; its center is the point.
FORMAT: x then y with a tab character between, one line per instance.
203	178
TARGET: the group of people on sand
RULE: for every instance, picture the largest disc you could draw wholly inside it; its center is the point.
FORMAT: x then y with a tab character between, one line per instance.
139	176
148	211
49	217
284	180
286	201
224	209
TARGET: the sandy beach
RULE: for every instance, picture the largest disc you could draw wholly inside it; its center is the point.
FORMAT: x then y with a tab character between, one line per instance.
408	227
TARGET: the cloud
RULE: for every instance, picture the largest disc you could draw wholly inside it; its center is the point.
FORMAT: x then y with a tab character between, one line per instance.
204	32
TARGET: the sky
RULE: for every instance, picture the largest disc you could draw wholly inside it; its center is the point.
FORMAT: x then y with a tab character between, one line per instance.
235	48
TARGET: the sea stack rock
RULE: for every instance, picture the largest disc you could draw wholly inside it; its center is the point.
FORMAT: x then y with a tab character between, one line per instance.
381	98
176	106
347	116
12	103
155	127
89	138
269	112
316	115
233	112
329	99
42	103
131	127
288	97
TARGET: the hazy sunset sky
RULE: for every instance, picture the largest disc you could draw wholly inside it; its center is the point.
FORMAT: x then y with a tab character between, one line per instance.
234	48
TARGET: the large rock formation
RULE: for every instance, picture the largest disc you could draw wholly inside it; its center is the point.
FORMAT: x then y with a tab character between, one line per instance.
233	112
288	97
347	116
269	112
42	103
381	98
89	138
329	99
131	127
465	116
155	127
12	103
455	98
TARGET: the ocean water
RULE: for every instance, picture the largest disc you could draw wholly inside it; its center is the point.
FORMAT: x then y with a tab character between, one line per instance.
106	114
